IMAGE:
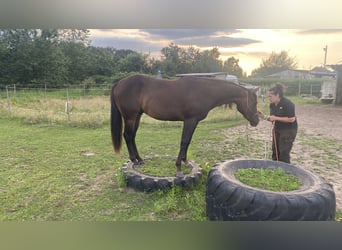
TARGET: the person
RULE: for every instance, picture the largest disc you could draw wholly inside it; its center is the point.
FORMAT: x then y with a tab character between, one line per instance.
285	126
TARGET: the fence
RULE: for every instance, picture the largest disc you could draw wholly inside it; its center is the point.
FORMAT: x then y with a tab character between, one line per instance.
76	106
82	105
294	87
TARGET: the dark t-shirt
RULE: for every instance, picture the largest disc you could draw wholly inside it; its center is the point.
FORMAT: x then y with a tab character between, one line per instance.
285	108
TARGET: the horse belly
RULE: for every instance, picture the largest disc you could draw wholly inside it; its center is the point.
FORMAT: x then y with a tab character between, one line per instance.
164	112
174	110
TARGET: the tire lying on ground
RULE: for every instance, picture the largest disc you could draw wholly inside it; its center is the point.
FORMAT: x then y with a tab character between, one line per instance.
147	183
230	200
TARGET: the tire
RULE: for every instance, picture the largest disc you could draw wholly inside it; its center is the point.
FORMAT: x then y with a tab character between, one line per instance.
228	199
146	183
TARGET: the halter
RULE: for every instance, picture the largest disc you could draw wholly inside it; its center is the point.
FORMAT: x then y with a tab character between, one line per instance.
247	107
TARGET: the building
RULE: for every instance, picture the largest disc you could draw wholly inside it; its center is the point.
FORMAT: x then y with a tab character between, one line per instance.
316	72
291	74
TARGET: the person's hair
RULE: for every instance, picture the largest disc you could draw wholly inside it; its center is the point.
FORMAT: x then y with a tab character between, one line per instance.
278	89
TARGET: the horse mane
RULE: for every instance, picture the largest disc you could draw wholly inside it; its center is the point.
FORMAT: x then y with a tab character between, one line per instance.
218	80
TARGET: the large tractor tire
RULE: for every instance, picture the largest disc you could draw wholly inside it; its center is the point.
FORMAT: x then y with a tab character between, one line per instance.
147	183
228	199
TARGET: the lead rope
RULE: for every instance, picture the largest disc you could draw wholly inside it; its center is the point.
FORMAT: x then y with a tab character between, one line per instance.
266	144
247	138
267	138
247	132
275	141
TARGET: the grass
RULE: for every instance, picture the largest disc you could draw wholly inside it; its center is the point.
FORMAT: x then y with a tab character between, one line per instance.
52	169
160	166
268	179
58	171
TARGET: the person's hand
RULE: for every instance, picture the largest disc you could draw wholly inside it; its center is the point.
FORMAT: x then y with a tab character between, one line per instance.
271	118
292	119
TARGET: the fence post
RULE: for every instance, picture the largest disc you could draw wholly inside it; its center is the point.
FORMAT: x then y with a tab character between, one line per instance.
67	104
9	109
299	88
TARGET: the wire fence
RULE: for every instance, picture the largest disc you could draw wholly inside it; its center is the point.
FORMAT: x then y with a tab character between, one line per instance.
74	105
82	104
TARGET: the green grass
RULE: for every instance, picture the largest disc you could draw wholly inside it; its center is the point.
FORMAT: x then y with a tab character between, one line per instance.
268	179
53	169
160	166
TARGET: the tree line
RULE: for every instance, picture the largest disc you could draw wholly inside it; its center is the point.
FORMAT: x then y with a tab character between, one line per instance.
65	57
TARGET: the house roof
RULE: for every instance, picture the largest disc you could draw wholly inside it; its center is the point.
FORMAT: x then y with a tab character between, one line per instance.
203	74
288	72
323	71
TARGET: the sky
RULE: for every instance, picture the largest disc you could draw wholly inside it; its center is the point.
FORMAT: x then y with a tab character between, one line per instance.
250	46
249	30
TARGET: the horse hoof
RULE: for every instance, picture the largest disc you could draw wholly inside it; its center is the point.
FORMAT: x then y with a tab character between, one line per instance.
140	163
179	174
188	164
137	163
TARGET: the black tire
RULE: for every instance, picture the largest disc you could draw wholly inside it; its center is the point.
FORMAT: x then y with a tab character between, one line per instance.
146	183
228	199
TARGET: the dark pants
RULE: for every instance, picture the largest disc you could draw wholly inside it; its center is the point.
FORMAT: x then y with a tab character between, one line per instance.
284	139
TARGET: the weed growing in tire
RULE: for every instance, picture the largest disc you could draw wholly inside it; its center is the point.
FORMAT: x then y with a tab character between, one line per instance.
269	179
160	166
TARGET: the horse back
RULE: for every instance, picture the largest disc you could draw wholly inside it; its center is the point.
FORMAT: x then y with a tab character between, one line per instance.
167	99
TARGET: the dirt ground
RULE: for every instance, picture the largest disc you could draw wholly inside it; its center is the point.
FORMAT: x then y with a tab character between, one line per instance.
321	123
325	121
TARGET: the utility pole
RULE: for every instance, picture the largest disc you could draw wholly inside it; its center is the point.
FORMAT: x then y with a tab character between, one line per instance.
325	55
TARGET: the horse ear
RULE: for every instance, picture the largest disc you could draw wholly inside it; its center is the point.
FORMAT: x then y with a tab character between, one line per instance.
255	89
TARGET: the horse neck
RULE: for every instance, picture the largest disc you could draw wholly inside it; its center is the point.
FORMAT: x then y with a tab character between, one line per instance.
233	94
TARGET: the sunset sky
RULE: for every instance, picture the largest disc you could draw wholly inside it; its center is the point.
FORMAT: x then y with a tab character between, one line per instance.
250	46
246	29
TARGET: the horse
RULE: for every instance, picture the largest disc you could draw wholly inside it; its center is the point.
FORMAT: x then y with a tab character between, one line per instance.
188	99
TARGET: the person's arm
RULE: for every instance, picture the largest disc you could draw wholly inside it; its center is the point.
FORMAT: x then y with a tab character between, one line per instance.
272	118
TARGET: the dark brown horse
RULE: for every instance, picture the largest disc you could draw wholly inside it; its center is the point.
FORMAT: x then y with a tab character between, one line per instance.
188	99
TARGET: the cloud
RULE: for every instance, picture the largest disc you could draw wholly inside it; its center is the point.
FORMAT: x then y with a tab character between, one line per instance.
156	39
135	44
226	42
175	34
319	31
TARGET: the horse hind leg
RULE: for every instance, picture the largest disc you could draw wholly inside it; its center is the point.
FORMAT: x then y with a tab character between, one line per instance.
131	127
188	130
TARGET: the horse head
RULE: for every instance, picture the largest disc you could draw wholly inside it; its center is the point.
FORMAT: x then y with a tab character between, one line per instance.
247	106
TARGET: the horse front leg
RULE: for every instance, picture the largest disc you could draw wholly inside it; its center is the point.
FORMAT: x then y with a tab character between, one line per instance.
189	127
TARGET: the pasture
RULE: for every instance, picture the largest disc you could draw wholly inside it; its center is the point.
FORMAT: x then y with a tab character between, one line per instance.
59	167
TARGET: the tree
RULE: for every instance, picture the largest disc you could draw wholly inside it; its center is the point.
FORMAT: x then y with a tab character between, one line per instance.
275	63
78	62
49	66
172	59
102	61
209	61
133	62
74	36
231	66
42	55
18	45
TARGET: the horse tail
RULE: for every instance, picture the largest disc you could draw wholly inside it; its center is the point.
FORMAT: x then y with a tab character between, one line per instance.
116	124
